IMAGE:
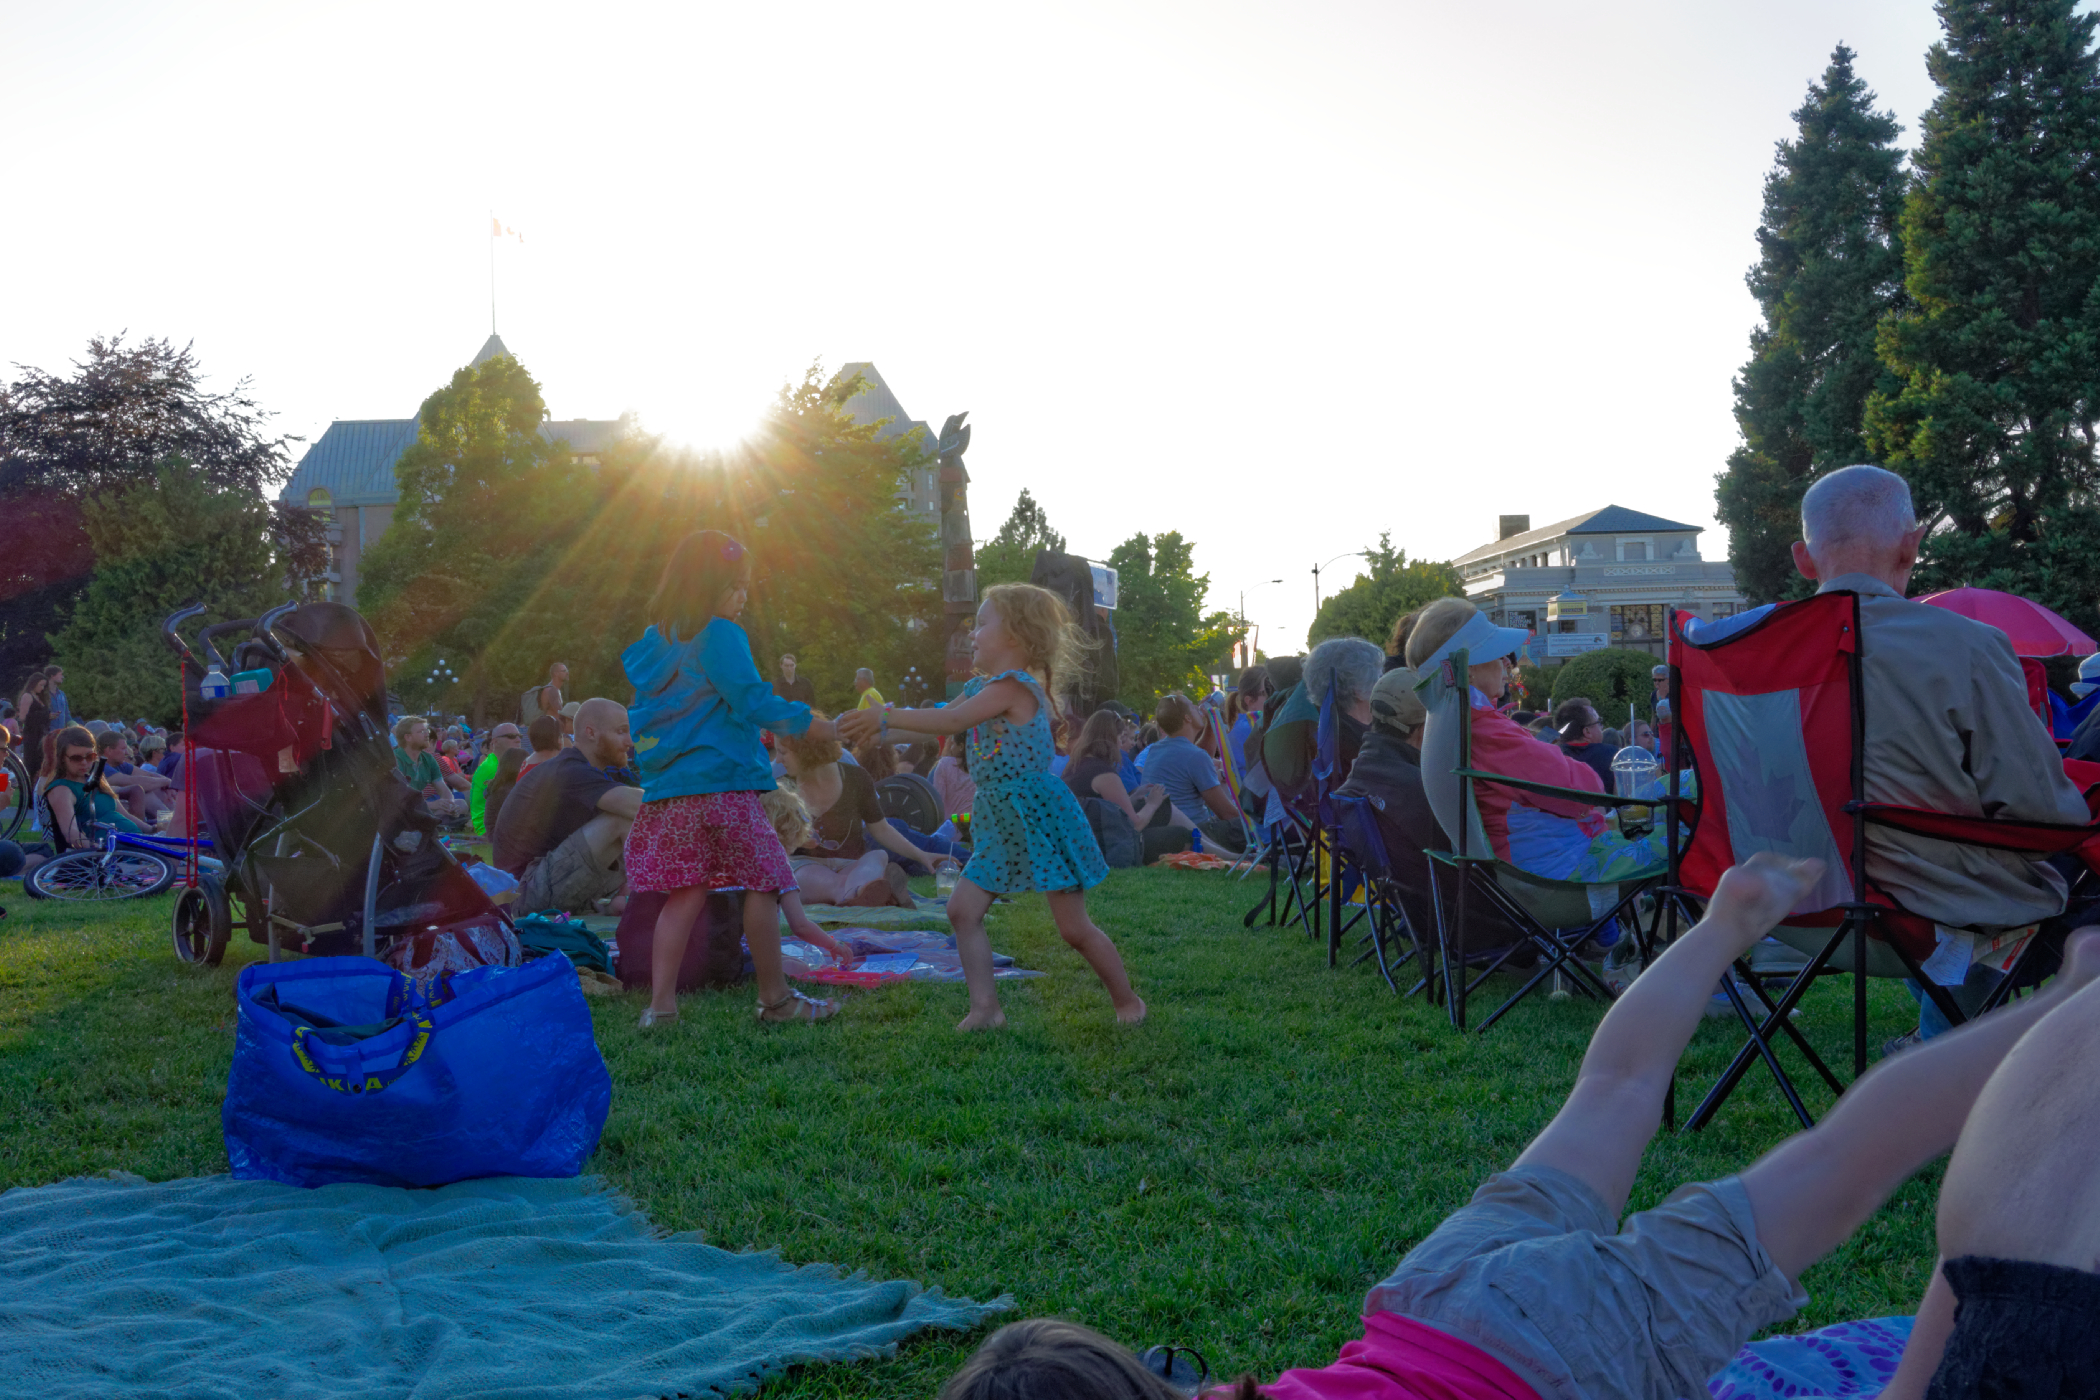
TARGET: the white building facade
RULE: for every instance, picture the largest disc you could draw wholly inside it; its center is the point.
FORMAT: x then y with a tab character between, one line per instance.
1600	579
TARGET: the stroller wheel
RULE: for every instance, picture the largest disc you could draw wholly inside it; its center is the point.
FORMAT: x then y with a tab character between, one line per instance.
94	876
202	923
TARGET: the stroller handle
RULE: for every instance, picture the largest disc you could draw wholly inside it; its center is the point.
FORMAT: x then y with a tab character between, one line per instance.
174	641
267	622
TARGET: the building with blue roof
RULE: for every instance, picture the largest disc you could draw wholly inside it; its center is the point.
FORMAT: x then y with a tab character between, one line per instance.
348	474
1604	578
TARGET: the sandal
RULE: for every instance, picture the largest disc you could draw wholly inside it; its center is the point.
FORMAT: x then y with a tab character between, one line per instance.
805	1009
1183	1368
652	1017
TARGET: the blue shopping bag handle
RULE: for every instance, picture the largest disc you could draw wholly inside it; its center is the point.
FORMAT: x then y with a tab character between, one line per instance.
349	1074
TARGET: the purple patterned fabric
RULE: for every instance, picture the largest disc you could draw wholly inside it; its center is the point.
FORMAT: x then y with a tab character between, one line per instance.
1844	1360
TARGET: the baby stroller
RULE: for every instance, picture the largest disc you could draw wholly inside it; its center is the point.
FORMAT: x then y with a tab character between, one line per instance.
323	848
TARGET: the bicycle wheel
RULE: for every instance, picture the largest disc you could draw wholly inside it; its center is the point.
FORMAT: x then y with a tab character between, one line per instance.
203	922
91	875
14	803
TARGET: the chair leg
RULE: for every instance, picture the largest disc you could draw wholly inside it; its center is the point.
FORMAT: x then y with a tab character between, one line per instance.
1764	1049
1859	997
1274	851
1759	1038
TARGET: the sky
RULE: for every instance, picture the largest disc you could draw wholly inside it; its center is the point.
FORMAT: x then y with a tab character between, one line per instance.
1280	277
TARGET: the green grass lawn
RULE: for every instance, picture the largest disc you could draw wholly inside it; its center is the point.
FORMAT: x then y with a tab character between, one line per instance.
1233	1175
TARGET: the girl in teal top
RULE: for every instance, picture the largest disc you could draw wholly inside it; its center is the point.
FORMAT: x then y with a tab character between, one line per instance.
1027	829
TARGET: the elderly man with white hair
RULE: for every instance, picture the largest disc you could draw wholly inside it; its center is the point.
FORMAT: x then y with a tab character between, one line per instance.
1948	728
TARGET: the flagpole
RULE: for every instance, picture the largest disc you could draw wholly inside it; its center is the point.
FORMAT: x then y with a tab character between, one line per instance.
492	273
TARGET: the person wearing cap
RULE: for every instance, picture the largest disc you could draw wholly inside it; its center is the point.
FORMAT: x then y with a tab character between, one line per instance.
502	740
568	722
1389	769
1560	838
2085	733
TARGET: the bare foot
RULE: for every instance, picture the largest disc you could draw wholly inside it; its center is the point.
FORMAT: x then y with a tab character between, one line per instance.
1757	894
1133	1014
992	1020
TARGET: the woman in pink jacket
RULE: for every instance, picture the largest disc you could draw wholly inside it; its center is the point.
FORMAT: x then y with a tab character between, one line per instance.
1562	838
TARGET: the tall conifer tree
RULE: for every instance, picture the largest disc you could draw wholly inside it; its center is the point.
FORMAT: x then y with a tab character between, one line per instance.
1993	419
1829	268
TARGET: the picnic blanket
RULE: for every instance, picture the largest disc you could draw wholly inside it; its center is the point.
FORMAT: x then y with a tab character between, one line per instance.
931	914
1832	1363
499	1289
887	957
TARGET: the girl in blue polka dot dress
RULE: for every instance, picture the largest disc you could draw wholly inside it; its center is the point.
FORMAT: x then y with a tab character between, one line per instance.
1027	830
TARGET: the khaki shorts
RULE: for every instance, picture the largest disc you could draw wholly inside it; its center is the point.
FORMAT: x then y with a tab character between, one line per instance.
570	878
1535	1272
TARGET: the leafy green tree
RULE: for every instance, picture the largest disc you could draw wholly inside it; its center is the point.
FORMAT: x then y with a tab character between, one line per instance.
1993	419
530	557
1372	603
101	432
1163	636
1829	268
159	545
1613	678
488	504
1010	556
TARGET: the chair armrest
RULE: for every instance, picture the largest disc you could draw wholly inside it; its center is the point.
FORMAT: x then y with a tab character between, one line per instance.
1594	799
2032	838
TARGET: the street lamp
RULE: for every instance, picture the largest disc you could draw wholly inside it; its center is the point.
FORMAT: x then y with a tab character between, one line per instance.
1251	649
1352	554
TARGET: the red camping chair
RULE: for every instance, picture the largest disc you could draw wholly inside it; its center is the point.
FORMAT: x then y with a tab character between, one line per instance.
1776	721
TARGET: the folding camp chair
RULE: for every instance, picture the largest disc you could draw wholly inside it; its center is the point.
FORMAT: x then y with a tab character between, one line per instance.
1294	849
1236	786
1352	823
1776	721
1556	917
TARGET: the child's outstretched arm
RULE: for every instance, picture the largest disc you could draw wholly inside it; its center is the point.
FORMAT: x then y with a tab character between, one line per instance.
725	658
805	928
1008	699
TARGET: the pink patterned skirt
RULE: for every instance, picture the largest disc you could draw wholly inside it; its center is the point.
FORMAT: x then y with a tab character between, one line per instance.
710	840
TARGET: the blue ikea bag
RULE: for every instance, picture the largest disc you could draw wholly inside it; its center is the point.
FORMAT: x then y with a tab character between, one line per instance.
344	1071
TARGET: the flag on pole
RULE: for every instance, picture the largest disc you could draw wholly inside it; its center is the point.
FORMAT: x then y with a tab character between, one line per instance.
497	229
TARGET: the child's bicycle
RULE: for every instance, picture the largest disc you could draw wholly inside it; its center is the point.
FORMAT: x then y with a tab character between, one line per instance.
125	866
14	795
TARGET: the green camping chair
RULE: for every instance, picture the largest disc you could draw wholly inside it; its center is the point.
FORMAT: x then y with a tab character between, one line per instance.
1556	916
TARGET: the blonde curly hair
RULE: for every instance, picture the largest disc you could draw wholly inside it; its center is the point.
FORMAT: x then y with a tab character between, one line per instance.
1044	629
789	815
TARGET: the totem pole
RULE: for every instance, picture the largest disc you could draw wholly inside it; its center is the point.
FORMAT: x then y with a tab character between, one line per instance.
958	562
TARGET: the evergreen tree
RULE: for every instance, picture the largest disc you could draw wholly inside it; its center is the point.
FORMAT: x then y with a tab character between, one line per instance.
1010	556
1371	604
160	545
1830	266
1163	636
1993	418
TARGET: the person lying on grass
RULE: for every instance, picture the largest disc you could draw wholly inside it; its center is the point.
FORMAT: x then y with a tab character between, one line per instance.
1534	1291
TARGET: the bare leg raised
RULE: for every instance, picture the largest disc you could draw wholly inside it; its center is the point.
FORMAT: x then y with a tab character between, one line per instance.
1616	1105
1813	1190
2021	1184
